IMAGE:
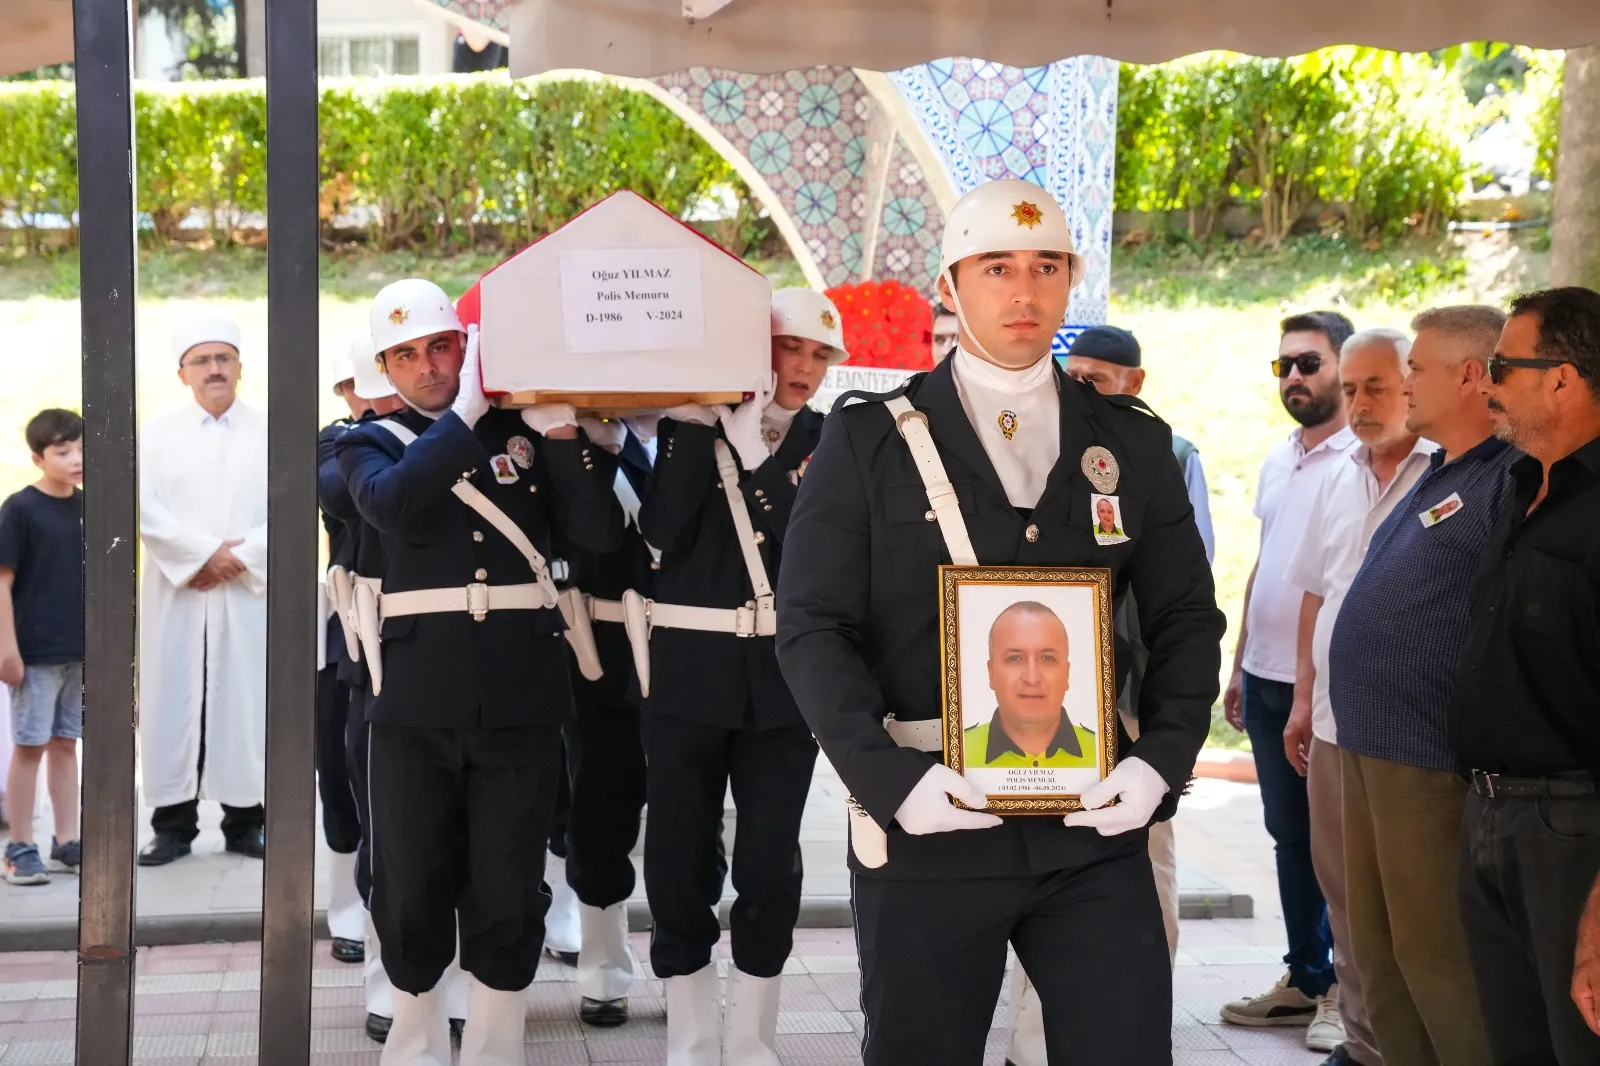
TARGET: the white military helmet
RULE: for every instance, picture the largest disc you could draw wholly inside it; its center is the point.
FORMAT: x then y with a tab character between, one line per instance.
807	313
1008	215
371	382
410	309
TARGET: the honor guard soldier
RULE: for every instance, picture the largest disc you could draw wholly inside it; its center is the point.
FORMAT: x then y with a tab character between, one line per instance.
468	669
717	710
605	755
993	458
364	565
341	824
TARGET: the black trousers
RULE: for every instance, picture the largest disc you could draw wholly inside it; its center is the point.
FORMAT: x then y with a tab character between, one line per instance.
182	820
355	755
608	793
341	826
691	767
460	822
1526	869
561	815
933	957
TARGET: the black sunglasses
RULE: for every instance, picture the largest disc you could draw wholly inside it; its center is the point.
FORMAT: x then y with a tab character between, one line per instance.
1499	364
1309	363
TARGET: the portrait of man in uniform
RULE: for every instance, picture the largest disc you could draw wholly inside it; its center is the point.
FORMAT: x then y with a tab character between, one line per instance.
1030	671
1107	520
1026	702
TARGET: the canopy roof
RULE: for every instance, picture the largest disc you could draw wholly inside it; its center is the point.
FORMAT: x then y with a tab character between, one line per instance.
641	38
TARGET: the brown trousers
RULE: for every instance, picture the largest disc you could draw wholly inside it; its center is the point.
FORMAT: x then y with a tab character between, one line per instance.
1402	848
1325	795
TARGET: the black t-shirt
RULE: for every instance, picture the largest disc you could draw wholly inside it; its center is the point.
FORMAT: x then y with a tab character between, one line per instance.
41	541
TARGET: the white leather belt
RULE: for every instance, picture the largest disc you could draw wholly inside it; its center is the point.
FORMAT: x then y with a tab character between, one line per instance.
926	735
754	619
476	599
867	838
606	610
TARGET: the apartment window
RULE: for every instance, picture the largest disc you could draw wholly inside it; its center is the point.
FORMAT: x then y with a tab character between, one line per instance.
339	57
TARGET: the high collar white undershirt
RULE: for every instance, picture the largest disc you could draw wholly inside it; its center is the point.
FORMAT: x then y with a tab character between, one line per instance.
775	423
1024	401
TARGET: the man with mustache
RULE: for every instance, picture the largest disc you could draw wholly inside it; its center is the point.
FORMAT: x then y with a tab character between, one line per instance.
717	712
1354	498
993	458
1261	692
463	644
1522	712
203	607
1391	664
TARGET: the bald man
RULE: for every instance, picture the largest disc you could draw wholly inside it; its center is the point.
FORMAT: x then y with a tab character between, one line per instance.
1029	672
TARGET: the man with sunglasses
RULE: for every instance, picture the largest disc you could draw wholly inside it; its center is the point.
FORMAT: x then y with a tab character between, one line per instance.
1522	714
1260	695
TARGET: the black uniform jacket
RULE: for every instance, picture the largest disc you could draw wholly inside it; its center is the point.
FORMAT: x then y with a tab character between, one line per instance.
718	678
858	605
344	526
607	576
445	670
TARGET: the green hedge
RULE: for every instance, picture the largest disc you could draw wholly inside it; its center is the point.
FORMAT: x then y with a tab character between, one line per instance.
1380	139
440	164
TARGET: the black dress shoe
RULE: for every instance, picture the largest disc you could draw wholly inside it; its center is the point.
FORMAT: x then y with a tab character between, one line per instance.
570	958
348	950
163	849
603	1013
378	1027
252	842
1339	1057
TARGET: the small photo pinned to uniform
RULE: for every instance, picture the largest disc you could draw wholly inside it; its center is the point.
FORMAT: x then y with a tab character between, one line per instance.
1029	690
1107	512
504	472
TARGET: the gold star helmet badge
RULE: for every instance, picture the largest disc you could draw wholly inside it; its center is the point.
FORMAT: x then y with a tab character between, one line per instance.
399	315
1027	214
828	320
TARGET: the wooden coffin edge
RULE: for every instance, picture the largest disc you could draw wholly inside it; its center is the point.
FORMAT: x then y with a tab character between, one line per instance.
615	404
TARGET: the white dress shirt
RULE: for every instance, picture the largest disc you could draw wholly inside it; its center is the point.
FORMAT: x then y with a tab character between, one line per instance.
1027	402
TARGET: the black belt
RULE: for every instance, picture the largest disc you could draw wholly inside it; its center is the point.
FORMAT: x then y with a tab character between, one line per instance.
1502	786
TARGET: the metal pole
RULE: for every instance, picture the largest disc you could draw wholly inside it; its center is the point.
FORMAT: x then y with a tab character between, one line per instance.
286	934
102	32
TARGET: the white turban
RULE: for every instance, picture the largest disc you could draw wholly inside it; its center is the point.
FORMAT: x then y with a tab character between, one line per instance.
204	331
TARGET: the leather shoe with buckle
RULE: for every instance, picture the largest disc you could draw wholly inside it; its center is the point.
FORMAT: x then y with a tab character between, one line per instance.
348	950
164	848
252	843
603	1013
378	1027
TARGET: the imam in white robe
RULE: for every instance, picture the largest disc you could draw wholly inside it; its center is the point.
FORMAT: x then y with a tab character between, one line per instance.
203	481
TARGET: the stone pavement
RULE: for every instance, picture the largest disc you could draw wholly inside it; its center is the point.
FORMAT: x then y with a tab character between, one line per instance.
197	1003
214	895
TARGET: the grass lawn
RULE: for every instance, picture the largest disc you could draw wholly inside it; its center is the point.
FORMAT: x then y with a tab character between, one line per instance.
1208	326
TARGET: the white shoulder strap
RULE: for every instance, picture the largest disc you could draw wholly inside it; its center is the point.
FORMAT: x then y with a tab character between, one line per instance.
468	494
401	433
629	500
729	470
913	426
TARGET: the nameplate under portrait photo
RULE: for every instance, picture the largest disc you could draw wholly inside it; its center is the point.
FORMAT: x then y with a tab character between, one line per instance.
1030	698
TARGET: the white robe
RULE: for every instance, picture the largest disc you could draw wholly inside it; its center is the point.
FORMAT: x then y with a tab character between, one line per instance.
203	481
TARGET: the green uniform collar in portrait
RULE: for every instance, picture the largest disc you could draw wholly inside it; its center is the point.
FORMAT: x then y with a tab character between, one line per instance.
987	745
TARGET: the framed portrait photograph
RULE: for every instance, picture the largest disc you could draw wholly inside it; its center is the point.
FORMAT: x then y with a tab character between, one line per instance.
1030	701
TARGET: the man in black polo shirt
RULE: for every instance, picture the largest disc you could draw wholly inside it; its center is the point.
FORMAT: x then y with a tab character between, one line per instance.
1523	712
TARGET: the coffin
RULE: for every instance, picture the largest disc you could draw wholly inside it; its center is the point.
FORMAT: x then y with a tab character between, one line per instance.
622	309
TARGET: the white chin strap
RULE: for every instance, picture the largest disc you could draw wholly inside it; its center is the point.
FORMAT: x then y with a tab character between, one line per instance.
961	317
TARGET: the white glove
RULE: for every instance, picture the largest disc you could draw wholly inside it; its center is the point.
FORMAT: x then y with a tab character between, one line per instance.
606	432
543	417
470	402
643	426
927	808
743	426
1136	783
693	412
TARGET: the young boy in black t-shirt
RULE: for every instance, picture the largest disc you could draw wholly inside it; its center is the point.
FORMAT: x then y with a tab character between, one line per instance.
41	643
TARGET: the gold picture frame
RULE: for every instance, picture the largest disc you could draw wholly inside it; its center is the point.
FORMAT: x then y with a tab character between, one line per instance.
1041	617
